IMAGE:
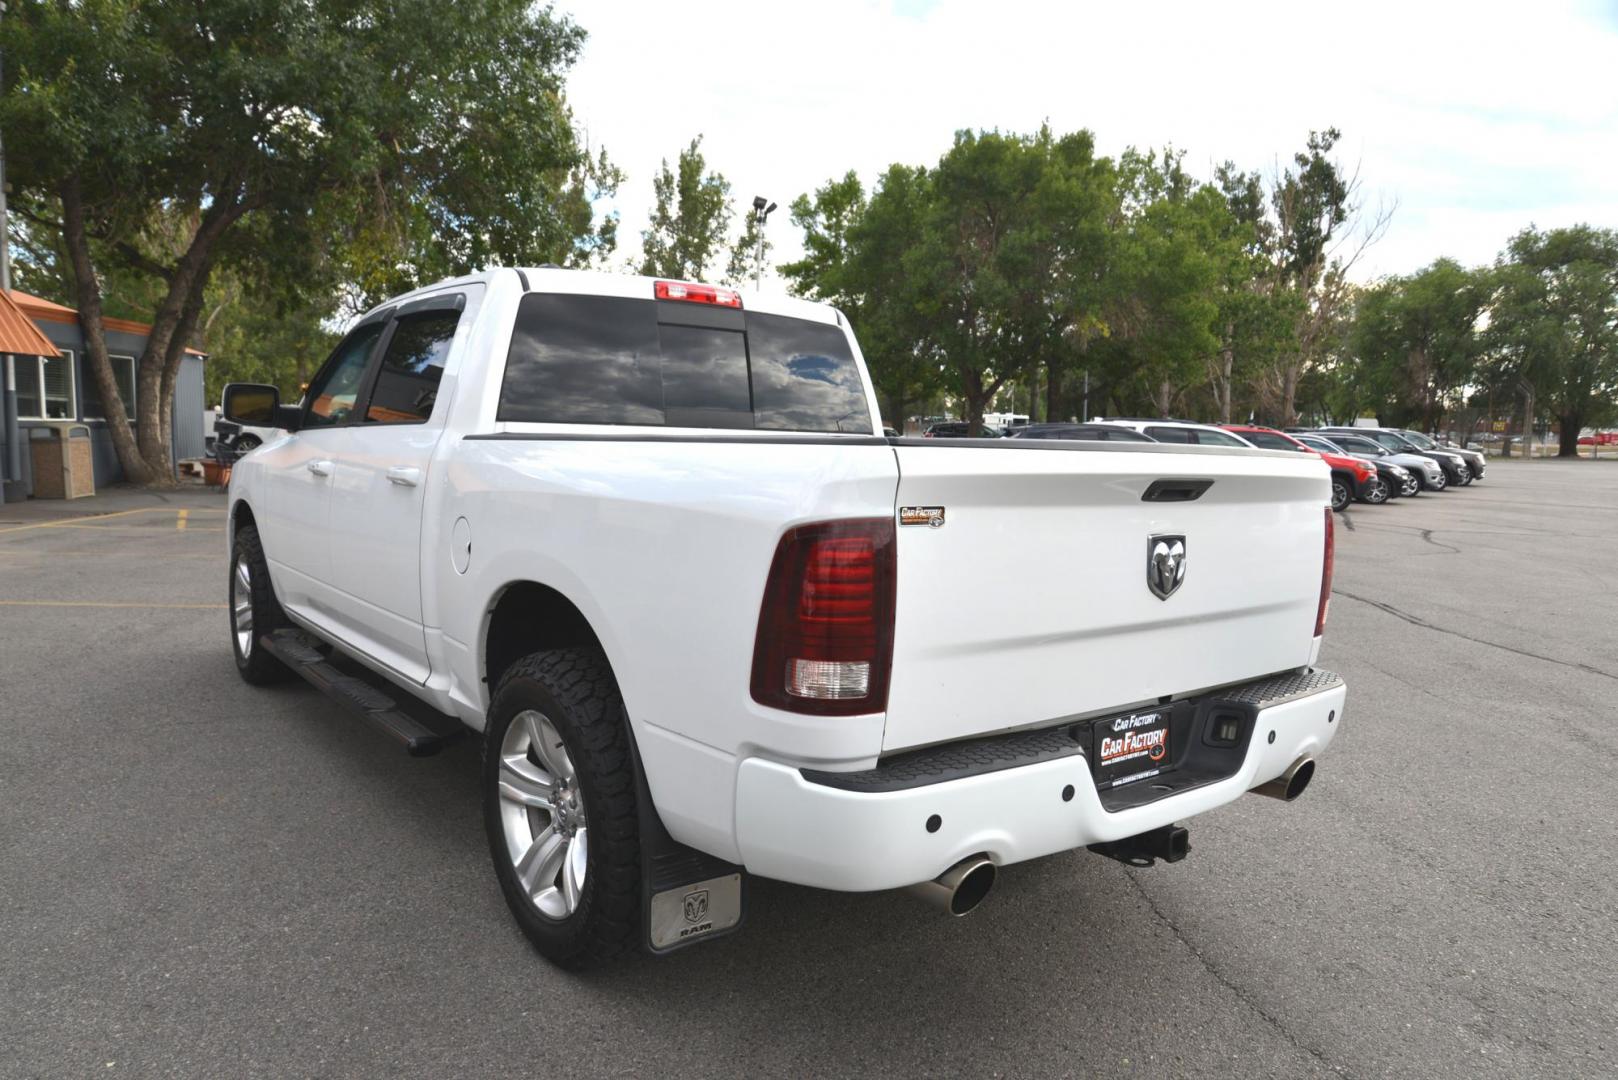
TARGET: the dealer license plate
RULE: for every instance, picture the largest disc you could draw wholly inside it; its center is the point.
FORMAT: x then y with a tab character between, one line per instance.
1126	749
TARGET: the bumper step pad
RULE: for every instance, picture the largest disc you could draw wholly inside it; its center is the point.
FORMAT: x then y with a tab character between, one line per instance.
420	729
973	757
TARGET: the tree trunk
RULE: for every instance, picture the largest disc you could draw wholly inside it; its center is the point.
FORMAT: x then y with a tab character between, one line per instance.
1289	394
1227	365
146	453
1053	392
1163	400
137	470
1571	424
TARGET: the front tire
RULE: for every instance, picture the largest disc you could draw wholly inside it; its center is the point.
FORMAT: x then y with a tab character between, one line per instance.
1377	492
1341	494
1411	487
559	806
254	611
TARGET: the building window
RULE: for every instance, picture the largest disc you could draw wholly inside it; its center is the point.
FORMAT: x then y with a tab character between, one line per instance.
123	372
45	388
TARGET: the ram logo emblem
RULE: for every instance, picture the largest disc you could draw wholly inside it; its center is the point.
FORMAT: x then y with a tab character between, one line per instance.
1165	564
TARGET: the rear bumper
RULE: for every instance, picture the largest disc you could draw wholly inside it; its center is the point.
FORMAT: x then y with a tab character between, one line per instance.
861	833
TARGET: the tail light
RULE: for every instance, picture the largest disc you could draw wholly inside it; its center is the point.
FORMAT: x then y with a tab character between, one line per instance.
697	294
1325	574
825	631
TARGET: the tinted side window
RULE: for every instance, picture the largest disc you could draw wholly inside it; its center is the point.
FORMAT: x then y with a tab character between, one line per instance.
804	377
407	382
1217	438
1170	434
331	396
1121	435
1269	440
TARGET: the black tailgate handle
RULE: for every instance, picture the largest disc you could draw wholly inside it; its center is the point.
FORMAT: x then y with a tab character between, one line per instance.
1175	490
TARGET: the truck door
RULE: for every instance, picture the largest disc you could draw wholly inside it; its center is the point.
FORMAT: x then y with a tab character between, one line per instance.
380	484
298	474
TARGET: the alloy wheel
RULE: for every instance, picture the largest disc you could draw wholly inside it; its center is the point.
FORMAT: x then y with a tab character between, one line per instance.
241	605
543	815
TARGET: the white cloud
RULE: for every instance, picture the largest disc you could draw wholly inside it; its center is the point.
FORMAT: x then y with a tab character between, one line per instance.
1477	119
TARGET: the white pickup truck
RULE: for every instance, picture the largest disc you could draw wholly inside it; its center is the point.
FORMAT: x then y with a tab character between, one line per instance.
647	538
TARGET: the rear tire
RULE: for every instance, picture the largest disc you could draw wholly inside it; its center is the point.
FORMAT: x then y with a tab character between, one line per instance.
559	806
254	611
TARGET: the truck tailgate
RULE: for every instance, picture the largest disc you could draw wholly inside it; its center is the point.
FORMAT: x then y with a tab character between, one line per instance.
1030	603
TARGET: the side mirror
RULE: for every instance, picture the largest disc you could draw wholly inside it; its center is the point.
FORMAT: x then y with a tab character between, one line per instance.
256	405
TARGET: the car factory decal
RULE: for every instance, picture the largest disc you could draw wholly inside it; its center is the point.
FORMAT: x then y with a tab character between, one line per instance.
1126	744
931	516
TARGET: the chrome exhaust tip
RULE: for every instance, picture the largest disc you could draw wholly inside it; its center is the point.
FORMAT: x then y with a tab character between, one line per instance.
960	889
1290	784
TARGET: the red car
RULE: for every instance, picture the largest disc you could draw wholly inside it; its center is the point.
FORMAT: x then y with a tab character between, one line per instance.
1351	478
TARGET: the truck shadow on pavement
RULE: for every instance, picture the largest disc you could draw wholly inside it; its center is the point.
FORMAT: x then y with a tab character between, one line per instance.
1069	945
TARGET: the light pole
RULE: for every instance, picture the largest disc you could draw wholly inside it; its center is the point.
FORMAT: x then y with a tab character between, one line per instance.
761	217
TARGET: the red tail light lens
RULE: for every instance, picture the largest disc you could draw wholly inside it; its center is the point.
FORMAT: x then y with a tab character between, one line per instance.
1325	573
697	294
825	631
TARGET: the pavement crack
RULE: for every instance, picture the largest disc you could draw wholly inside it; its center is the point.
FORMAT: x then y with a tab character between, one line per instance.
1427	535
1416	620
1223	980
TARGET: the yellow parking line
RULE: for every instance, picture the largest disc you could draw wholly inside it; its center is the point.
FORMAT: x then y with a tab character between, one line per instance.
179	521
108	604
79	521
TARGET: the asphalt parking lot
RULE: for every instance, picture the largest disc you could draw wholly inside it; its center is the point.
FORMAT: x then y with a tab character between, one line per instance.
197	878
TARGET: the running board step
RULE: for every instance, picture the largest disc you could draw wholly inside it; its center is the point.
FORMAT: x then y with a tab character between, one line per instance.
419	728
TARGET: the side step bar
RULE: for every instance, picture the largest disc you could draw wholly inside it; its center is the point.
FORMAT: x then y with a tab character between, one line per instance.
421	730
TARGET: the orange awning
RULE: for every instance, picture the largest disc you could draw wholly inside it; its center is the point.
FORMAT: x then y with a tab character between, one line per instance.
18	334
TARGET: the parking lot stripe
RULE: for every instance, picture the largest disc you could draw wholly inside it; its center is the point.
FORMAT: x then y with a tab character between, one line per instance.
179	521
82	521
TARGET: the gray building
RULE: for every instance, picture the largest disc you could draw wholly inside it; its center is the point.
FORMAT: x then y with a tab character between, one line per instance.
61	387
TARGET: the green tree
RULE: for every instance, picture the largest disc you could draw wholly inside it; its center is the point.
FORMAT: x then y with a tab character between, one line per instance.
851	246
1417	340
1314	208
1554	323
284	140
1004	268
690	221
1258	314
1166	276
749	255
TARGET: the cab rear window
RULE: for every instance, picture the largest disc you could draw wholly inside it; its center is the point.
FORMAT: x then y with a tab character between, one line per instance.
611	360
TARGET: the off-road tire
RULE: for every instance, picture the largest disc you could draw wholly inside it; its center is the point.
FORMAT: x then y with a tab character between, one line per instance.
576	691
256	667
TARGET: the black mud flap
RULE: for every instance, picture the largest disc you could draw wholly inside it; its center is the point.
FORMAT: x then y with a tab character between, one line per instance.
687	896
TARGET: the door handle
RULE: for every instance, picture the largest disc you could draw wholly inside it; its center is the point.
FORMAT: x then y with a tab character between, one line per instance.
320	468
404	476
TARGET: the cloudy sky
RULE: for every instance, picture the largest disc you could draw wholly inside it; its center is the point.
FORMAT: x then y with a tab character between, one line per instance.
1476	119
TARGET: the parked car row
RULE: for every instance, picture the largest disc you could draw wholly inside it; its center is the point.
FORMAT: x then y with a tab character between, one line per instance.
1368	464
